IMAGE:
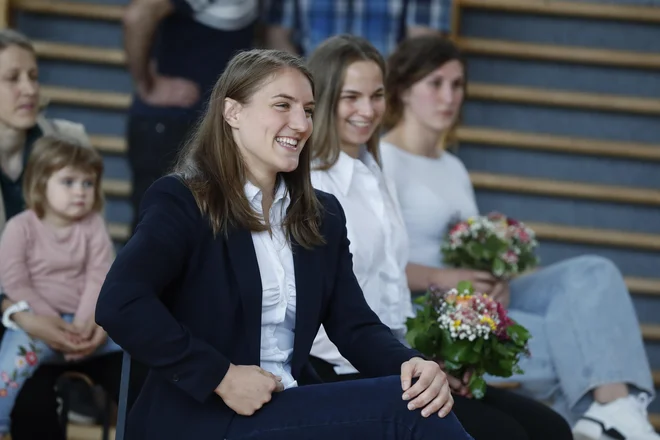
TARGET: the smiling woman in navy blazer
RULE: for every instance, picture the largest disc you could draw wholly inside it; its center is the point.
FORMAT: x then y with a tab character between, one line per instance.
222	303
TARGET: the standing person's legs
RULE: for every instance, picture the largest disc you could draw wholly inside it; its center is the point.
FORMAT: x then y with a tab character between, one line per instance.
360	409
153	143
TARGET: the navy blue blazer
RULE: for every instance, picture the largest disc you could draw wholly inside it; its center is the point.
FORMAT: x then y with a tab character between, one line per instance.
187	305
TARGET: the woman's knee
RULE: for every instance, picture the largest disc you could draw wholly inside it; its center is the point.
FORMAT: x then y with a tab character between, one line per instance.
424	427
587	273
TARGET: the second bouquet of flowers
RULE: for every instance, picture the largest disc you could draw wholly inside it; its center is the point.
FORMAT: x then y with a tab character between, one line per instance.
494	243
468	330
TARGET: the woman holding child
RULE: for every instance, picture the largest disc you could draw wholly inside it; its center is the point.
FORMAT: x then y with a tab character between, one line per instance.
21	125
350	92
588	356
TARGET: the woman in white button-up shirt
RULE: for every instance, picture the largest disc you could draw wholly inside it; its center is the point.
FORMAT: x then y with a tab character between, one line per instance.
349	74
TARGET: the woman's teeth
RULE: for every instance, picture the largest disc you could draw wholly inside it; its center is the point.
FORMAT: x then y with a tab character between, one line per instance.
287	142
360	124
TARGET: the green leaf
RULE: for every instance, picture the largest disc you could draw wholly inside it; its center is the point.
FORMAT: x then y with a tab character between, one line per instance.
465	285
22	351
477	386
498	267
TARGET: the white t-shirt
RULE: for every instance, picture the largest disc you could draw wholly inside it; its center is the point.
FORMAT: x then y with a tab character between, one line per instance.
225	15
378	243
433	192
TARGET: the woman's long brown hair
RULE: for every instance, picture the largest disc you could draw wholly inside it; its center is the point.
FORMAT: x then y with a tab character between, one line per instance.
328	64
212	166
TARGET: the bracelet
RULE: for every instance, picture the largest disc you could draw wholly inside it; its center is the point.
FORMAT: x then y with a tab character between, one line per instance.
21	306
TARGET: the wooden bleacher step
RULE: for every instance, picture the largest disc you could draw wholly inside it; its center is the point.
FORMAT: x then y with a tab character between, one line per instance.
109	144
116	187
602	11
580	55
86	98
92	11
80	53
594	236
564	98
560	144
555	188
643	286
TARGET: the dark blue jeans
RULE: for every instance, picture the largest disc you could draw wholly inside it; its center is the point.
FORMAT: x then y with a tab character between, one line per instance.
364	409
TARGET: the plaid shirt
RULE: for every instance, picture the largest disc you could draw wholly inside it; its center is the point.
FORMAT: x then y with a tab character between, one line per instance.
379	21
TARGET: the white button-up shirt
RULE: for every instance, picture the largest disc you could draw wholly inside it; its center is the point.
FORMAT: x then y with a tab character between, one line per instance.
378	242
278	304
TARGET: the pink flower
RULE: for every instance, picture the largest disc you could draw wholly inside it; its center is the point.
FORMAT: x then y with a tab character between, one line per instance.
459	228
13	384
510	257
31	358
4	376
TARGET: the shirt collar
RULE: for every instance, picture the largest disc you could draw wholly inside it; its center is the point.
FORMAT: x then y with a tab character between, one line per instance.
254	193
344	169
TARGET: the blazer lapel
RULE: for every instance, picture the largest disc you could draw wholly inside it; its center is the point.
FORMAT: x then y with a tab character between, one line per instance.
309	290
246	269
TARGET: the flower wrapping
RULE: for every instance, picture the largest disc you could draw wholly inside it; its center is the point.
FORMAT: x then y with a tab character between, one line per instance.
468	331
494	243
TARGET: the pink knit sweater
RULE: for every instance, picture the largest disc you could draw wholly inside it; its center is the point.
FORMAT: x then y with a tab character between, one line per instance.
55	271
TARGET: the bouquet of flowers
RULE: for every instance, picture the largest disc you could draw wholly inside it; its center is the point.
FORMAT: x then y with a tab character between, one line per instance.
468	330
494	243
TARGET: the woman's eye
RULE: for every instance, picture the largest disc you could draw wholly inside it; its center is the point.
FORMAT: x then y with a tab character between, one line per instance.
283	105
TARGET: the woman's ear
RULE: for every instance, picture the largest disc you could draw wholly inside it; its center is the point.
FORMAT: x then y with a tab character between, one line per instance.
231	112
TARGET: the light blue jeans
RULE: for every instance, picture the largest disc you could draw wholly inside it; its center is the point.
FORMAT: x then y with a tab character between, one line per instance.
20	356
585	333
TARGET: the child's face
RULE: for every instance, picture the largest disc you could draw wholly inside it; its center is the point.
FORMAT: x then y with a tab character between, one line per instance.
70	194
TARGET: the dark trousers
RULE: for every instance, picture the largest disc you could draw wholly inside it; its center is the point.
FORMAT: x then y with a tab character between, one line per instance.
499	415
35	413
351	410
153	145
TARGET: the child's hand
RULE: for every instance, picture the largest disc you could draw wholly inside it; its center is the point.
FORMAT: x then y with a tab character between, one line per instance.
97	338
85	328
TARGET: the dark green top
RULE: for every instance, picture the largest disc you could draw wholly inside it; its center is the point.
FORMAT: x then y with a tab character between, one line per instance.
12	190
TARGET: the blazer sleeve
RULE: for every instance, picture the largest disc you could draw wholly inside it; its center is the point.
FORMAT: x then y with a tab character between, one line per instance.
129	307
361	337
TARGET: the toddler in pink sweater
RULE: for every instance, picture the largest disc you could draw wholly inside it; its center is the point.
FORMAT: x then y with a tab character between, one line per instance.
53	260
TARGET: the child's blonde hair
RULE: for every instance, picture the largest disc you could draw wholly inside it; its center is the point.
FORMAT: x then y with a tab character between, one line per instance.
50	154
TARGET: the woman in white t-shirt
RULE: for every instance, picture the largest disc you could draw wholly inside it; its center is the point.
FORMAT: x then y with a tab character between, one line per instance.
350	104
588	355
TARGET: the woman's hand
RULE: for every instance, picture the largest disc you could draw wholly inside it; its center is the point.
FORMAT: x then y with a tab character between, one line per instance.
483	282
501	293
247	388
458	385
430	392
52	330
